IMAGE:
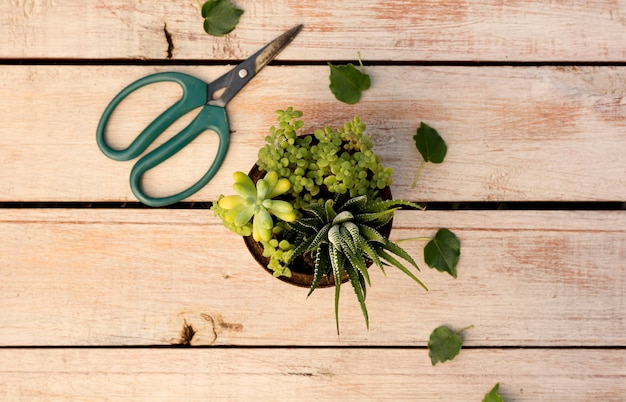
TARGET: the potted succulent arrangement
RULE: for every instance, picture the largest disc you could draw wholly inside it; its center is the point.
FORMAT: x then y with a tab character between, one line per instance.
316	210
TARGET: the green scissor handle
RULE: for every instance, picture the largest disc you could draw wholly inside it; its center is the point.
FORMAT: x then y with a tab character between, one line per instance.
195	94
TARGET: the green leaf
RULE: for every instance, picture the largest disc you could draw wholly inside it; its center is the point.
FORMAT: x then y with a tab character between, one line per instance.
337	263
321	266
220	17
347	82
493	395
444	345
443	251
391	260
359	291
381	206
430	144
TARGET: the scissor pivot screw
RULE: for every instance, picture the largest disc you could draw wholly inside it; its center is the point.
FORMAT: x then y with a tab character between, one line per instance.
243	73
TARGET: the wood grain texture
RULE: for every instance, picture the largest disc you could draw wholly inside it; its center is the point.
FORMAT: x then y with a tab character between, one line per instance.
514	133
459	30
140	277
309	375
93	301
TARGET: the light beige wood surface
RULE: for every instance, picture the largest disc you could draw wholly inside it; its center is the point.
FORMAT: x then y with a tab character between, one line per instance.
505	127
458	30
308	375
96	303
137	277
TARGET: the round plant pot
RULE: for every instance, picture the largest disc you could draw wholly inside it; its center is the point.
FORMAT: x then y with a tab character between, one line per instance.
302	268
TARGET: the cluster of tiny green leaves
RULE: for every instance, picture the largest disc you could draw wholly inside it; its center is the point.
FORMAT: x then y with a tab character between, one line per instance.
220	17
338	161
280	252
242	230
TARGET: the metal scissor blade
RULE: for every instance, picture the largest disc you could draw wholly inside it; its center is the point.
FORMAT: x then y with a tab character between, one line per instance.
237	78
267	54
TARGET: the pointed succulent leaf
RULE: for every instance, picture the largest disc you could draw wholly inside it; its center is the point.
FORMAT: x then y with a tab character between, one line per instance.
334	237
342	217
347	241
330	212
390	204
358	262
353	230
354	204
321	267
358	290
363	284
319	238
305	225
318	210
300	249
372	255
375	219
337	263
393	261
399	251
370	233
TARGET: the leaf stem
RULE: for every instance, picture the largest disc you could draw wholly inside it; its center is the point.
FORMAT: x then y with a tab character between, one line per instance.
464	329
358	56
419	170
414	239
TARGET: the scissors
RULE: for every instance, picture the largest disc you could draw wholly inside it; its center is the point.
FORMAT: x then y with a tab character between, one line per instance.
212	116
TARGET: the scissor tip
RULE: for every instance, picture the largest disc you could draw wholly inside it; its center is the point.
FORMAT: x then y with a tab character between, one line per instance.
295	30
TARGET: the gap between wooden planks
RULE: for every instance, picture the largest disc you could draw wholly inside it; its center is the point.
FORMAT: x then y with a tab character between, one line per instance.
513	133
460	30
88	277
369	374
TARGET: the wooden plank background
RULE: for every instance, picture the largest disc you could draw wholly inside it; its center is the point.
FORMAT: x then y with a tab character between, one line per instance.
396	30
307	374
524	279
96	302
565	125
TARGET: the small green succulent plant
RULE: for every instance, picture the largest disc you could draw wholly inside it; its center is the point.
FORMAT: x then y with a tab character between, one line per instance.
255	203
330	161
330	213
342	236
